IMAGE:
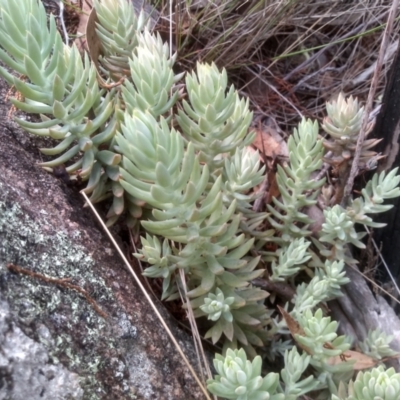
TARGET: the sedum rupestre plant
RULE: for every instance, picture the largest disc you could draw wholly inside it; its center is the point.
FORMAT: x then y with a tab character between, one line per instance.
238	378
372	385
171	156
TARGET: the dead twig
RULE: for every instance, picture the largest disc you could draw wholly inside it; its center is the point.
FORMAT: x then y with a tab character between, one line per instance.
273	88
148	298
64	282
302	82
368	107
283	289
316	55
259	202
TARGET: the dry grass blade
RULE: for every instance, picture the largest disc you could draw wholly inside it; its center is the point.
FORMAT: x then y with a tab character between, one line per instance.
246	31
151	303
289	57
273	88
371	95
387	270
375	284
223	31
201	356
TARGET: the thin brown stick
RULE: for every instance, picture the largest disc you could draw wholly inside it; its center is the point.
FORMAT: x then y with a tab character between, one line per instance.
259	202
283	289
378	251
111	85
195	332
64	282
372	282
302	82
148	298
272	87
315	56
368	107
308	33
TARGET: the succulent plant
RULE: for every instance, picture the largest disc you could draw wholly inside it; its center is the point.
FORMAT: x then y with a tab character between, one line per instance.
344	119
215	122
174	155
240	379
216	306
319	331
339	226
152	84
119	31
295	365
377	384
237	314
324	286
381	187
297	188
86	117
376	345
291	258
343	124
338	230
241	173
59	83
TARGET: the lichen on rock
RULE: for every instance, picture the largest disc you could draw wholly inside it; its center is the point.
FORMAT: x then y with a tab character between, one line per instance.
43	229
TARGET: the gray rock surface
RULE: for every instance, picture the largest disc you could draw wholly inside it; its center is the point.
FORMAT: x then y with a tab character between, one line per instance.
25	360
53	343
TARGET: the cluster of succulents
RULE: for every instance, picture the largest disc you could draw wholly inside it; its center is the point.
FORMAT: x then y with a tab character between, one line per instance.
297	187
376	345
324	286
238	378
172	154
343	125
372	385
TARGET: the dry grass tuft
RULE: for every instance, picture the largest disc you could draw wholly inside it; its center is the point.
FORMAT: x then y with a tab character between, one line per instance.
288	56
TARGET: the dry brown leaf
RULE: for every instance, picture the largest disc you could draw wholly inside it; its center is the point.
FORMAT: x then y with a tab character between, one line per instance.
292	324
94	46
80	41
362	361
273	189
270	143
294	328
93	41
